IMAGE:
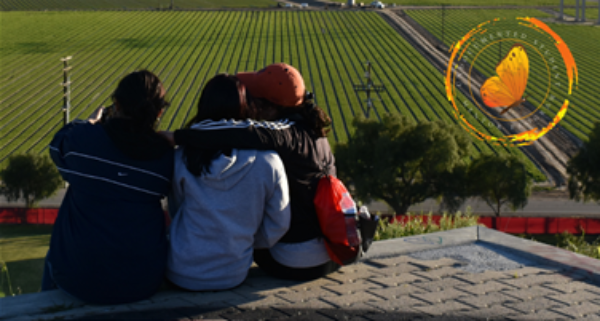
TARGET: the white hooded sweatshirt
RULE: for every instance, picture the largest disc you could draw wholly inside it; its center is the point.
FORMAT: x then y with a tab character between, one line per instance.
221	216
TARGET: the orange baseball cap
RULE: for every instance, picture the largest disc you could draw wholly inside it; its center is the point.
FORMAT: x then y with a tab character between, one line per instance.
278	83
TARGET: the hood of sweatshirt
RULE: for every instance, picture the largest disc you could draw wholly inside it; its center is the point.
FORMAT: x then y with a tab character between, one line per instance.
227	171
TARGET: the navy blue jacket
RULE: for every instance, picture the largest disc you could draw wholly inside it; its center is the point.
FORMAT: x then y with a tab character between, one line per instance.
109	245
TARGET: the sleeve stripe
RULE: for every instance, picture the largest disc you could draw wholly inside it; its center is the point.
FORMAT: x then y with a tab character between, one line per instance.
208	124
116	164
109	181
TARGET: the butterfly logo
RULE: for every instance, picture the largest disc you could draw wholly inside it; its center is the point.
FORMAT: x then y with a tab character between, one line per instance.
506	90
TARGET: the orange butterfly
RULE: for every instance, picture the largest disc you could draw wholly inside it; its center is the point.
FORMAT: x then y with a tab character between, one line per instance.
506	89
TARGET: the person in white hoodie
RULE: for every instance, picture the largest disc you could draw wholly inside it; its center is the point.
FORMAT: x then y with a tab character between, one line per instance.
225	203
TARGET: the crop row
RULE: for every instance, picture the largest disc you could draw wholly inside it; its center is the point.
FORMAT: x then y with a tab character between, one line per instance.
23	5
584	42
187	48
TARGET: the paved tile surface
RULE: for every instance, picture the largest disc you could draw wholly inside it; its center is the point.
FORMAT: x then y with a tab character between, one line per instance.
372	290
395	287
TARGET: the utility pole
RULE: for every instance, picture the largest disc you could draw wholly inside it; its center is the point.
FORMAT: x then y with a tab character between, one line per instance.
562	8
598	22
66	84
583	10
369	87
576	10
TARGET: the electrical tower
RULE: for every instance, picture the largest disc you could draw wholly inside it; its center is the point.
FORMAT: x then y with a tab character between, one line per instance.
66	84
369	87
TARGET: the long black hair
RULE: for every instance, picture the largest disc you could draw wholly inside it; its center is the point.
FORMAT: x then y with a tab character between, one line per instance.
223	97
140	96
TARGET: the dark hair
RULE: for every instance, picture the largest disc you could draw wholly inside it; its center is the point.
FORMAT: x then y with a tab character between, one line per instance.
315	117
223	97
140	97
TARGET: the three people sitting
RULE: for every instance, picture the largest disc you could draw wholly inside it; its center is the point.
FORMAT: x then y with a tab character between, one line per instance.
241	186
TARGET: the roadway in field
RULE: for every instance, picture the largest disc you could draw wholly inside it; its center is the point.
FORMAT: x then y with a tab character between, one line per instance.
541	204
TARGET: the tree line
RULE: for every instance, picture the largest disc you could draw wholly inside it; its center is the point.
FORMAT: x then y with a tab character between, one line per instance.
398	161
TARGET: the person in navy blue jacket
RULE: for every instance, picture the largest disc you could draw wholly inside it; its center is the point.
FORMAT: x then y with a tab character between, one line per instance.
109	245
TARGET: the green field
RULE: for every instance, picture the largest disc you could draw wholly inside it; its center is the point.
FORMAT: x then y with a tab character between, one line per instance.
21	5
591	12
186	48
24	248
584	43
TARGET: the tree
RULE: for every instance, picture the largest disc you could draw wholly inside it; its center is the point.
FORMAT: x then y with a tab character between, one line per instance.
29	177
404	163
500	180
584	169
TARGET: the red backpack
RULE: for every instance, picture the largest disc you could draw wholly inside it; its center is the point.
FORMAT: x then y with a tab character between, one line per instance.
346	237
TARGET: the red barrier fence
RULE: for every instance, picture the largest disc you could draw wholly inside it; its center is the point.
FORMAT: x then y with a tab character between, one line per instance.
513	225
28	215
534	225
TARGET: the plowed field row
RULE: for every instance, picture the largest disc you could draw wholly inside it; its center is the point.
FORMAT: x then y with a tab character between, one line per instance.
187	48
584	43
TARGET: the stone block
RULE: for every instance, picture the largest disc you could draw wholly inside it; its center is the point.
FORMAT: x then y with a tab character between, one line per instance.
392	281
487	287
446	308
398	269
577	297
477	278
353	273
344	301
442	284
353	287
358	311
306	295
391	261
536	279
537	304
574	286
254	292
441	296
402	304
579	310
492	313
532	292
303	308
436	274
488	300
390	293
545	315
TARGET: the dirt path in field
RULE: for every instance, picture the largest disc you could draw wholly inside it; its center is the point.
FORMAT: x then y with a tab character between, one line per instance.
550	153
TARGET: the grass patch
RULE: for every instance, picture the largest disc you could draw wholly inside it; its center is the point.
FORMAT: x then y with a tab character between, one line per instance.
588	245
24	248
397	226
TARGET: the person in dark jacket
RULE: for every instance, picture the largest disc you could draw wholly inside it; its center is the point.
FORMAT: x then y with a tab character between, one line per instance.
109	245
300	139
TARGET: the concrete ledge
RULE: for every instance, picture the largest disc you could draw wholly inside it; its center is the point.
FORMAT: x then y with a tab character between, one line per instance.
384	282
572	263
423	242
